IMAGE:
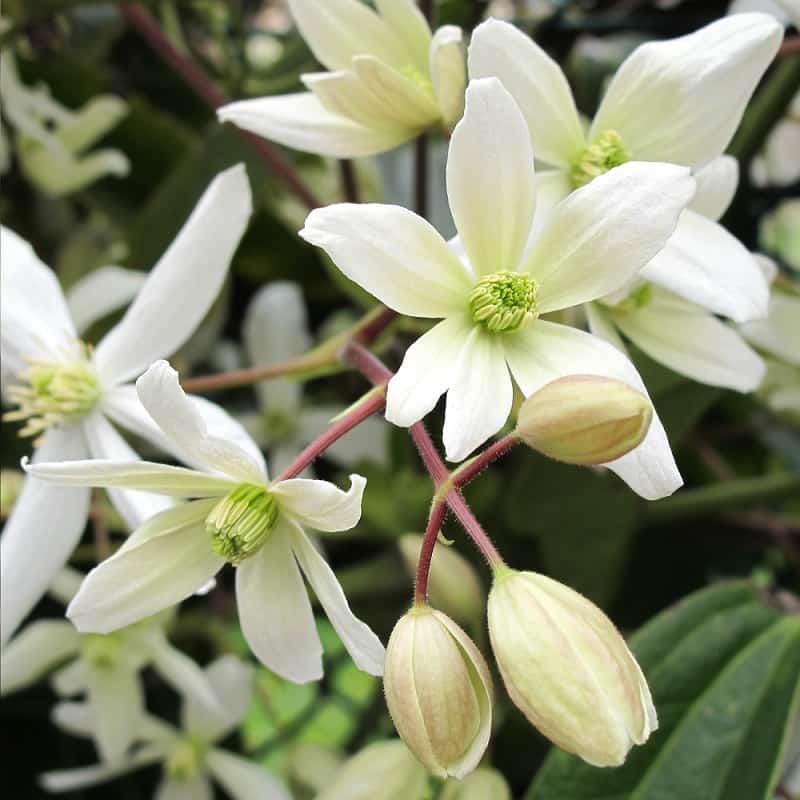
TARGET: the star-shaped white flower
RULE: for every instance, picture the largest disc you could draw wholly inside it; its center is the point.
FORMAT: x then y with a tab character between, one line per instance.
69	394
389	80
188	755
515	269
237	516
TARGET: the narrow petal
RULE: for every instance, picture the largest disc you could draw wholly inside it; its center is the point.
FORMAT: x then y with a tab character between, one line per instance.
102	291
71	679
302	122
604	233
536	82
197	788
320	504
601	325
275	612
117	701
367	442
681	100
31	654
41	532
244	779
448	70
363	645
546	351
716	185
427	371
183	284
490	178
68	780
552	186
409	24
73	718
65	585
479	399
706	265
393	254
779	334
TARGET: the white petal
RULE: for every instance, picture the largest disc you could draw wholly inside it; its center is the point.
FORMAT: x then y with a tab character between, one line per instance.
300	121
604	233
716	187
65	585
198	788
681	100
71	679
427	371
601	325
394	255
552	186
448	70
183	284
490	178
320	504
706	265
536	82
363	645
546	351
41	532
102	291
67	780
117	703
73	718
779	334
34	652
275	612
160	391
479	399
366	442
780	158
409	24
694	343
244	780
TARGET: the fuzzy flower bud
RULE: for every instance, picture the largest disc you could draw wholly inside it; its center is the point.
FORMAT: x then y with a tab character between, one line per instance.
567	668
584	419
483	784
439	692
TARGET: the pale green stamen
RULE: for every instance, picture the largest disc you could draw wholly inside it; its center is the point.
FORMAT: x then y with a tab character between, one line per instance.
185	760
503	301
101	650
606	152
240	522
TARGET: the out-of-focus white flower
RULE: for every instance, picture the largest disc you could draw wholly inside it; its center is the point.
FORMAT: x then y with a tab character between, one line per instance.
276	329
104	667
187	755
779	233
483	784
69	393
778	163
52	141
491	298
787	12
242	519
389	80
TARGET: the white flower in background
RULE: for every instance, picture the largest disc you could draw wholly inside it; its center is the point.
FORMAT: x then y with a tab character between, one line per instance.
52	141
69	393
242	519
104	667
276	329
787	12
779	233
678	101
187	755
389	80
491	301
778	163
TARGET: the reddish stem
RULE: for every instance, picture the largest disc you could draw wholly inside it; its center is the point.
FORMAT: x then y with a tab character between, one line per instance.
244	377
438	511
465	473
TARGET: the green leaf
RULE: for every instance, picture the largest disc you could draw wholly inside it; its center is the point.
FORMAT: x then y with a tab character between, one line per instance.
723	668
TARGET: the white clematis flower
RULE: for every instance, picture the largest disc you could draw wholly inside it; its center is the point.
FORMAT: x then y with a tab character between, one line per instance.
242	519
678	101
69	393
187	755
106	667
389	80
778	163
591	243
276	329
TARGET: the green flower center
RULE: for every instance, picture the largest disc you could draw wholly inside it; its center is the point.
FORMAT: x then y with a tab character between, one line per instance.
240	522
503	301
606	152
101	650
185	760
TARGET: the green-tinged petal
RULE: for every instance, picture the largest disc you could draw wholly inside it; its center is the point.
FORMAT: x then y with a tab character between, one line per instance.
31	654
320	504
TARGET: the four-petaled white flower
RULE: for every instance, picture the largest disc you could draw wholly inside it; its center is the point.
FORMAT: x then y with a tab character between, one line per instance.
515	268
70	394
390	79
243	519
187	755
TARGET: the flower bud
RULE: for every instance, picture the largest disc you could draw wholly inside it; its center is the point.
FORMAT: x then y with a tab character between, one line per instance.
439	692
567	668
584	419
483	784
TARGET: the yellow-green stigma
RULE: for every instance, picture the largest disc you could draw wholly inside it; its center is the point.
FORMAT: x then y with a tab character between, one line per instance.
185	760
503	301
606	152
101	650
638	298
240	522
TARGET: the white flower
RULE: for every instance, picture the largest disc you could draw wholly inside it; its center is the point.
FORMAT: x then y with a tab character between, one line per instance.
678	101
389	80
243	519
787	12
276	329
104	666
592	242
188	756
70	394
778	163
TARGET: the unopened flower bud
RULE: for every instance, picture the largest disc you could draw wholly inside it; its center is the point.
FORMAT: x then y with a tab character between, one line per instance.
483	784
439	692
584	419
567	668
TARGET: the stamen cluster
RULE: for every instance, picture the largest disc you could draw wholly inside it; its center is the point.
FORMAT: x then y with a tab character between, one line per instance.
503	301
